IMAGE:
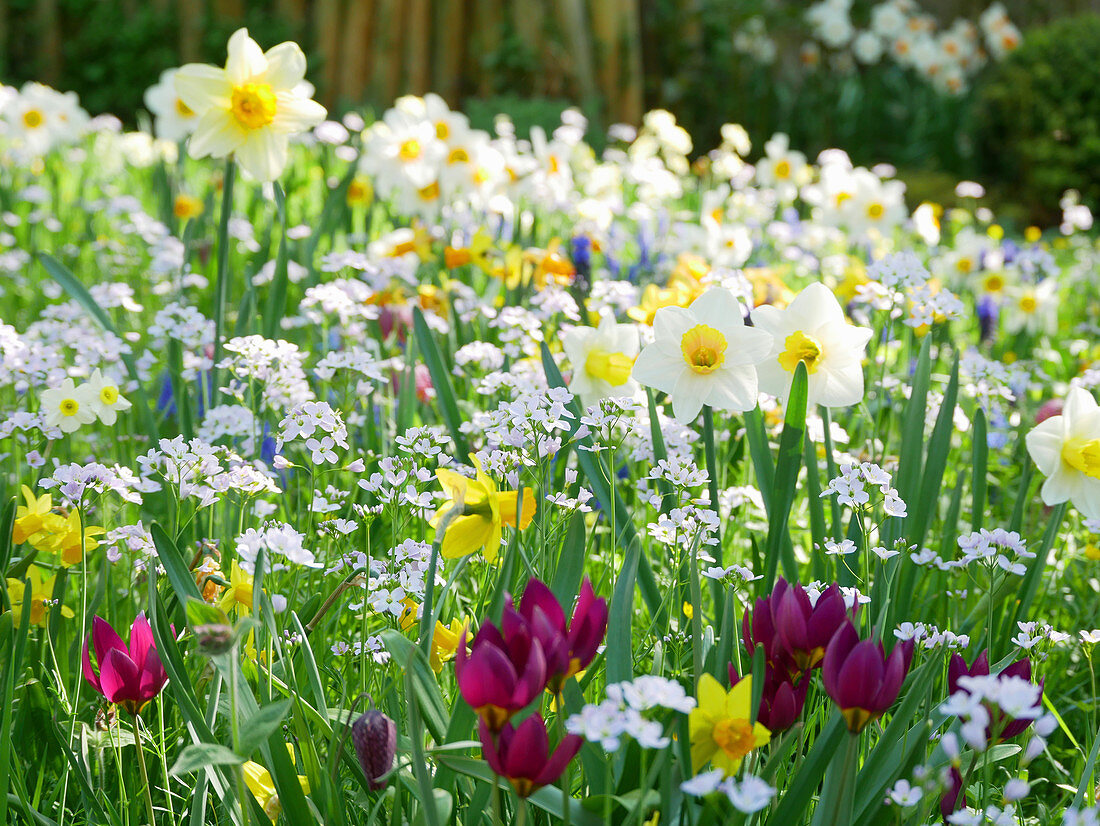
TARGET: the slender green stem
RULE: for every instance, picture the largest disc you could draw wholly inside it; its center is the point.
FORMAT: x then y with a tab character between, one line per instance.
144	773
222	286
712	489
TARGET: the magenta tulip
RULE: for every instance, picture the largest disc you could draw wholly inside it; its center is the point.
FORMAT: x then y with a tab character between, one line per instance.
498	677
781	701
522	754
130	677
860	678
804	629
568	649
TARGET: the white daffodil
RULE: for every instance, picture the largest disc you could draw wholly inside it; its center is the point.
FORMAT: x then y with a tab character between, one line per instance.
173	120
602	359
251	107
1032	307
104	398
1066	449
813	330
704	354
67	406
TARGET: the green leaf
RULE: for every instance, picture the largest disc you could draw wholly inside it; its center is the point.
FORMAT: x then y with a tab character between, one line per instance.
441	381
570	570
785	481
261	725
429	701
200	755
801	788
179	575
980	461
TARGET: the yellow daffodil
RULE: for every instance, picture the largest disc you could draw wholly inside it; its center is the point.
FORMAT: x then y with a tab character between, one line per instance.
259	782
66	538
238	595
186	207
720	726
360	191
482	512
654	298
41	594
476	253
445	642
32	517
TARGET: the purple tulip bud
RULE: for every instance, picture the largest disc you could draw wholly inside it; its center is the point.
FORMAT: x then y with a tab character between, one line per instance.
804	629
522	754
953	797
375	738
781	701
129	676
860	678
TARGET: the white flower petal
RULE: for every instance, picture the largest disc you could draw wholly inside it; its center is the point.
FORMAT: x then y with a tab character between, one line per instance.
263	155
245	58
217	134
286	66
202	87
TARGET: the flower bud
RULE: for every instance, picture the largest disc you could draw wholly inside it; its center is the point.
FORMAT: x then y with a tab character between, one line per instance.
214	639
375	738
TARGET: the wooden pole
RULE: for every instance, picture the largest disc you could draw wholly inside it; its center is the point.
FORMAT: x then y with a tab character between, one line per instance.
356	53
418	40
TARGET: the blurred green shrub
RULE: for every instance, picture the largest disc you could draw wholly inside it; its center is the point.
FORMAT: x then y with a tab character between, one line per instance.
1037	115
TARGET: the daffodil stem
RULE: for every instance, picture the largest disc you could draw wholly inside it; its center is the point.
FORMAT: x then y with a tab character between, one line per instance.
144	773
426	626
712	488
222	286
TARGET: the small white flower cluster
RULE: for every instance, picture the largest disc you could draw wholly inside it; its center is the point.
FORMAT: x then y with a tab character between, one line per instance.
195	468
372	646
1016	698
680	472
1033	633
996	547
275	538
929	636
850	488
731	574
852	596
751	794
274	366
74	481
423	441
682	525
622	714
399	481
355	360
563	500
309	418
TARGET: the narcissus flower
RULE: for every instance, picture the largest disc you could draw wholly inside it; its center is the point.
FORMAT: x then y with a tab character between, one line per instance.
602	359
251	107
239	595
721	727
130	677
522	754
860	678
445	641
105	399
1066	449
67	406
812	330
32	517
259	782
704	354
476	512
41	596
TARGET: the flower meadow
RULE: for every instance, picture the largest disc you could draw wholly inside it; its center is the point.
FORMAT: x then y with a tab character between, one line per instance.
397	472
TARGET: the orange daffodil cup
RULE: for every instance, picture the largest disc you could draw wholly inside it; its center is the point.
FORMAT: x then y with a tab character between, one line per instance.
250	108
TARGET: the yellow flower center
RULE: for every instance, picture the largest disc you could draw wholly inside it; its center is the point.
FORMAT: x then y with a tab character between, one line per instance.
554	165
253	105
69	407
32	118
409	150
783	169
800	347
842	197
1028	304
186	206
183	110
360	191
442	130
1083	455
458	155
994	283
965	265
481	175
430	192
734	736
614	368
109	394
875	210
704	348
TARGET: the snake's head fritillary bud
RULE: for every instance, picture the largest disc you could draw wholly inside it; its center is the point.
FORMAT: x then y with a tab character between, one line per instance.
375	738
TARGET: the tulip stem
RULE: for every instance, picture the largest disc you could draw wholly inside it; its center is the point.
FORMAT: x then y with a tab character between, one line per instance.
144	772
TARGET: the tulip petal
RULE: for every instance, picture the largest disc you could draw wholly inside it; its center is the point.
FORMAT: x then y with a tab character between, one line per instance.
119	677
